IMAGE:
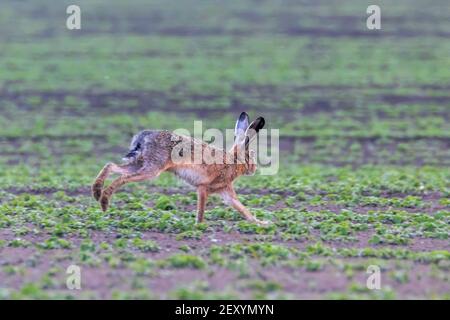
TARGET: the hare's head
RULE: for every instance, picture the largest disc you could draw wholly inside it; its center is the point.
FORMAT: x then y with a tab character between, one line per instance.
245	133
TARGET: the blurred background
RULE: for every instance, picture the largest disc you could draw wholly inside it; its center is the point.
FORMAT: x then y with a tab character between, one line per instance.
340	94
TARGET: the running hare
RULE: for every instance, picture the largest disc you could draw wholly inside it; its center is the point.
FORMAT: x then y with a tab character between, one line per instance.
151	152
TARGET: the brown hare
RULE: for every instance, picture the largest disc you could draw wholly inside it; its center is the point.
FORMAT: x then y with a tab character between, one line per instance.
152	152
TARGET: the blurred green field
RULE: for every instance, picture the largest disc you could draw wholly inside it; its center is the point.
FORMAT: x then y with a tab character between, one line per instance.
364	148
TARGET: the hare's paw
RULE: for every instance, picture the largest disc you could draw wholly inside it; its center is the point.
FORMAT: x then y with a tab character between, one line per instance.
262	222
97	190
104	203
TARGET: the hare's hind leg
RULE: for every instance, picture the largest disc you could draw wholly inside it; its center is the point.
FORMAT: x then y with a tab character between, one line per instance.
109	168
229	197
140	175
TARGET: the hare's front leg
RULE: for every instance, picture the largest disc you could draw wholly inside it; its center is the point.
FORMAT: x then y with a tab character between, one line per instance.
99	181
202	196
230	197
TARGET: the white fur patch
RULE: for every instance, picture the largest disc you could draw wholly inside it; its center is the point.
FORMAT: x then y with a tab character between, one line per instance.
191	176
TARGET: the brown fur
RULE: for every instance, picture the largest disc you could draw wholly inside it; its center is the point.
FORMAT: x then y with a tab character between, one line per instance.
150	154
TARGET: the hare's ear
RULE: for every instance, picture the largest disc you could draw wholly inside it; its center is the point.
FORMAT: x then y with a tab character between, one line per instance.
241	126
253	129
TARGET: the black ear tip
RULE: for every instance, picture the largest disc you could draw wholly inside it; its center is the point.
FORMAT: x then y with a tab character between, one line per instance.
261	122
243	116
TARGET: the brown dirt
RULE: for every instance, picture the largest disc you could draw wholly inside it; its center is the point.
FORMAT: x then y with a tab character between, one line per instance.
295	282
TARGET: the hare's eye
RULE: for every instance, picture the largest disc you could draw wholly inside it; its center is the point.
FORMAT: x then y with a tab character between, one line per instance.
138	146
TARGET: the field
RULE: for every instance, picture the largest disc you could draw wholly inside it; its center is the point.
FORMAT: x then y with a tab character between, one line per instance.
364	120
